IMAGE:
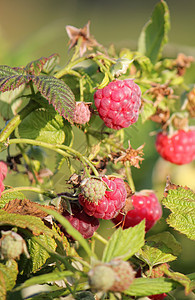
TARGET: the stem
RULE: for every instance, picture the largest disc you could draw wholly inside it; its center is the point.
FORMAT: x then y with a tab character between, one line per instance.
59	149
129	176
16	120
67	68
100	238
30	189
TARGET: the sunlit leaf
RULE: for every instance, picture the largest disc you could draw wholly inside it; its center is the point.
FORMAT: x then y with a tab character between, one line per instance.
154	34
125	243
8	276
12	78
45	64
9	196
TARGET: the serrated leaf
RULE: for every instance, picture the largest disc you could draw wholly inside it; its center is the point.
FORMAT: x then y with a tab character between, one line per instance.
124	243
45	64
44	126
7	197
155	33
169	240
58	94
182	204
182	279
8	276
150	286
155	253
34	224
12	78
38	255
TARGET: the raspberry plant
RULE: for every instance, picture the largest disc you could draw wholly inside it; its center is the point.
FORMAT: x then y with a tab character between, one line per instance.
101	96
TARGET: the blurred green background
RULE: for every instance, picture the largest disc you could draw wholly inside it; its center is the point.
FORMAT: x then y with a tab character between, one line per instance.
31	29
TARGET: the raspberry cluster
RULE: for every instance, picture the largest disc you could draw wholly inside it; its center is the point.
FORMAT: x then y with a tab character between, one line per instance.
3	173
108	206
179	148
118	103
145	206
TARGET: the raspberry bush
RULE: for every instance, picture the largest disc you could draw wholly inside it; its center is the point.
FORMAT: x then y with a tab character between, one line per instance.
78	136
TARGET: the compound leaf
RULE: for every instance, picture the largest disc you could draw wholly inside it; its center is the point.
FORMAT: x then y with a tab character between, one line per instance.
181	202
154	34
58	94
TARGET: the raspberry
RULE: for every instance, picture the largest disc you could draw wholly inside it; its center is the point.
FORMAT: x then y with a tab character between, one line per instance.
179	148
158	296
146	206
124	275
12	245
1	187
84	223
118	103
82	113
110	204
93	189
116	276
3	169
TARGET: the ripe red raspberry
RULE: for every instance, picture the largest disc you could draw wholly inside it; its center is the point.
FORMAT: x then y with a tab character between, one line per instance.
84	223
82	113
3	169
158	296
1	187
110	204
118	103
146	206
179	148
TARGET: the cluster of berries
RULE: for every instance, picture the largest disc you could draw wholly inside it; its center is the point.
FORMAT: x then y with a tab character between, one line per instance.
3	173
105	198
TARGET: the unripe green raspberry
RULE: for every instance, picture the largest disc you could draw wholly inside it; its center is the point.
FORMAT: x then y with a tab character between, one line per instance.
12	245
124	275
93	189
101	277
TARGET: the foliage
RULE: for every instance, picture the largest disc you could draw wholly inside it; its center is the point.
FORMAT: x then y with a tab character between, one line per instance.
37	103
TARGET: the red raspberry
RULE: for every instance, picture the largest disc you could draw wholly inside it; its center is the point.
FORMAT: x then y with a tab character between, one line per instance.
179	148
3	169
84	223
1	187
158	296
82	113
146	206
110	204
118	103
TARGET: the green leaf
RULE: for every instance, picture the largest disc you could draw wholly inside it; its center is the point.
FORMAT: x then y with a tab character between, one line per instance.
8	276
148	111
182	279
58	94
34	224
7	197
155	253
12	78
169	240
44	126
182	204
70	230
125	243
155	33
45	64
150	286
38	255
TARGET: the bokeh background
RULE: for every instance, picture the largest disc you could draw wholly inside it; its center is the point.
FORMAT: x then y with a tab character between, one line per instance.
31	29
